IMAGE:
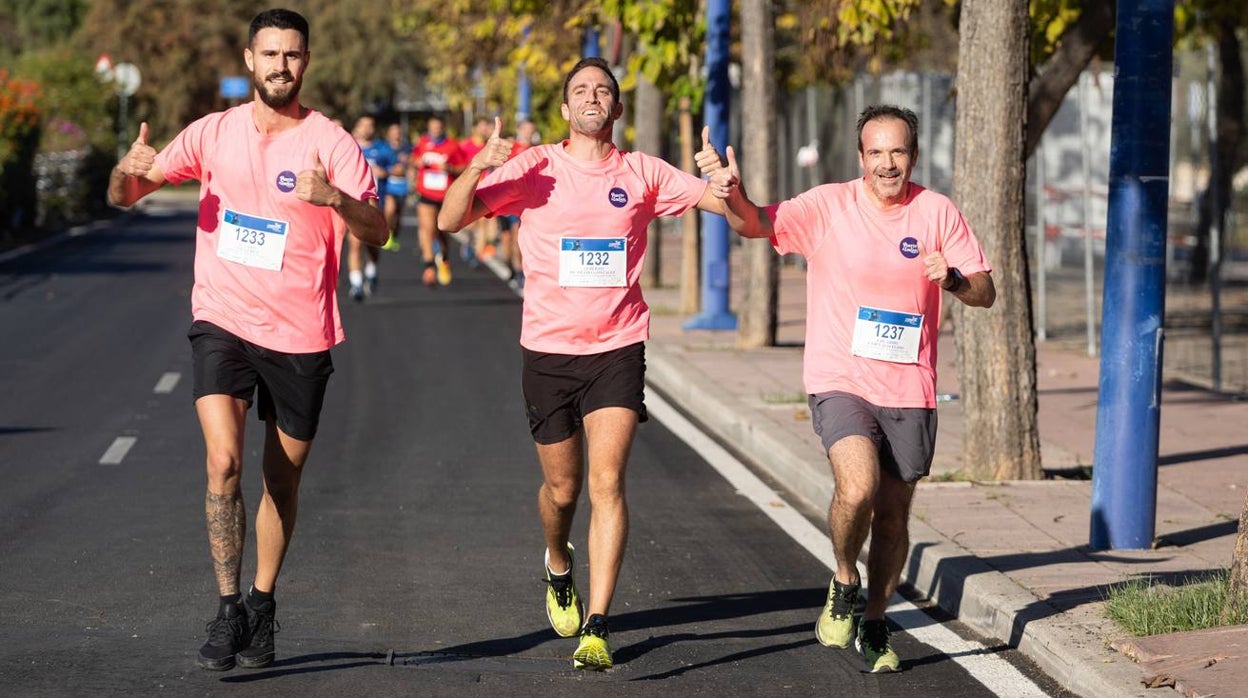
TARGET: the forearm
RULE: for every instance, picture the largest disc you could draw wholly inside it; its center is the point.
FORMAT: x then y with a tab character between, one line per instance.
124	190
457	205
365	221
745	218
976	290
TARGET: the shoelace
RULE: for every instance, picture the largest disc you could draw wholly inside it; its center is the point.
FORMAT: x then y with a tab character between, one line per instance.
266	625
224	630
596	629
843	602
562	586
875	636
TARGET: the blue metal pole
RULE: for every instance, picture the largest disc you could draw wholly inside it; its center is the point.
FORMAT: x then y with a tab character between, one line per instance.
1128	415
524	90
715	314
592	48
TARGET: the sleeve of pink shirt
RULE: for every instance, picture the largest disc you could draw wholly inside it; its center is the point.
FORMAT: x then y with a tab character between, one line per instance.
676	191
347	169
181	160
958	244
504	186
795	223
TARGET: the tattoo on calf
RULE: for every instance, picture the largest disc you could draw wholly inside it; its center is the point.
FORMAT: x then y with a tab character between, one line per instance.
227	526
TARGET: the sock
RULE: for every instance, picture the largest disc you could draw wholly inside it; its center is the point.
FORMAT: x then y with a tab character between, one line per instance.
370	271
552	572
259	598
230	599
356	277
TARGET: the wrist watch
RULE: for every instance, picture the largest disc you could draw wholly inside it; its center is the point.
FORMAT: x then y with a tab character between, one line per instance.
954	280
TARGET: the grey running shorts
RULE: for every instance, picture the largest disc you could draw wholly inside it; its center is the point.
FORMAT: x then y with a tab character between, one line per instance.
904	437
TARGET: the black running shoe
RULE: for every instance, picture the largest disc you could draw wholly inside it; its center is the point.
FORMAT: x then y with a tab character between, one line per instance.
259	651
227	634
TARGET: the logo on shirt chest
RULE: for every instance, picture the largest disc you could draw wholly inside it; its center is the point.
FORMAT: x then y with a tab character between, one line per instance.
618	197
286	181
909	248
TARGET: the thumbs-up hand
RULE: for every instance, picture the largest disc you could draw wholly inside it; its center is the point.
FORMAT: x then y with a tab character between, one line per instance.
312	185
724	180
138	161
707	159
496	151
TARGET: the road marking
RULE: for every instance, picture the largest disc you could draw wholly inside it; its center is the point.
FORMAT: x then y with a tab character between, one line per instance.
167	383
993	672
117	452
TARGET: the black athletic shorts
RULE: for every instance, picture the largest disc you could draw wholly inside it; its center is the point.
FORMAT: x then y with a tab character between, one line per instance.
904	437
291	386
426	200
560	389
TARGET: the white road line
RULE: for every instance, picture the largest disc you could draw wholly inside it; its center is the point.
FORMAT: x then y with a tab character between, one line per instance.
117	452
167	383
996	674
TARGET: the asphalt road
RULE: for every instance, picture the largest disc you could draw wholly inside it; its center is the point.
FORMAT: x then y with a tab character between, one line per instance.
416	565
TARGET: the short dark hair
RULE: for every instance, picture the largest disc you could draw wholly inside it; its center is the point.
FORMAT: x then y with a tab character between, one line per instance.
592	62
877	112
278	18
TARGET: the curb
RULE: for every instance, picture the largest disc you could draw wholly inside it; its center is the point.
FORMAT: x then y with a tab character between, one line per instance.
989	602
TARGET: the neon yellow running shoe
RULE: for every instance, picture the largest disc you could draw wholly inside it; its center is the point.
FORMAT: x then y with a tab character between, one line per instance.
836	626
444	272
392	245
563	604
875	648
593	652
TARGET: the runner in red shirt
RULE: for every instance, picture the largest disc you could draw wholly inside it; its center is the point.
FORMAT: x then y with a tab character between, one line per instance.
437	159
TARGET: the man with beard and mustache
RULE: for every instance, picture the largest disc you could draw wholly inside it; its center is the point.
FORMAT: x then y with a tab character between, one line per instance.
879	250
583	208
280	185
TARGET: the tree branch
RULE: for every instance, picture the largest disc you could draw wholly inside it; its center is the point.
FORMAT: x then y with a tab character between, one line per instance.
1075	50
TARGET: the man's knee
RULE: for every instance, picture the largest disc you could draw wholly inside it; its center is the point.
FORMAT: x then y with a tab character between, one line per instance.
562	492
225	468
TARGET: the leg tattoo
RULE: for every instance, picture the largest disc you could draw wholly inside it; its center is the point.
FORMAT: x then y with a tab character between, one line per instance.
227	526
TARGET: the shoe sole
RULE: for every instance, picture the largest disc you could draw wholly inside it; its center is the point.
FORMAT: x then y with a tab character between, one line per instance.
591	663
224	664
825	643
256	662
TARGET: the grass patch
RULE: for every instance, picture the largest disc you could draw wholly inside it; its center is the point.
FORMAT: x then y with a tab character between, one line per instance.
797	398
1142	607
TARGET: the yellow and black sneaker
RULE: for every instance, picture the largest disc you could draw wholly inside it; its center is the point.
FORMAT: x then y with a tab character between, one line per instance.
836	624
563	604
875	648
593	652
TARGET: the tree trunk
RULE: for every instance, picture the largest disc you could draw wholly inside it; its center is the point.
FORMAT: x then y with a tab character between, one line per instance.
1226	149
757	318
648	119
996	349
690	247
1237	596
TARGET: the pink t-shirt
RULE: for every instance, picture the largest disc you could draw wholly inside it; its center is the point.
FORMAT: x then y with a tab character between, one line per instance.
861	257
248	210
562	202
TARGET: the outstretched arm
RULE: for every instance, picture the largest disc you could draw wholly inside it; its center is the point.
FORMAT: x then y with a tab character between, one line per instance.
136	175
726	195
460	205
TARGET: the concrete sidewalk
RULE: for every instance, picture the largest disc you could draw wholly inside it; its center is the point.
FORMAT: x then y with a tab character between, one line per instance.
1009	559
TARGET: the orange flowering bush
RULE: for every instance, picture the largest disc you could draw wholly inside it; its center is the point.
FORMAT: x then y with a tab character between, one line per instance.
19	137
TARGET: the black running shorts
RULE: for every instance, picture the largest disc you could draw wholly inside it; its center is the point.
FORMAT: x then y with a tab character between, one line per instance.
291	386
560	389
904	437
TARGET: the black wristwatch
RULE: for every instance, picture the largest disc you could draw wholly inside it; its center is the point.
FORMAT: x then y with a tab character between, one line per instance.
954	280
